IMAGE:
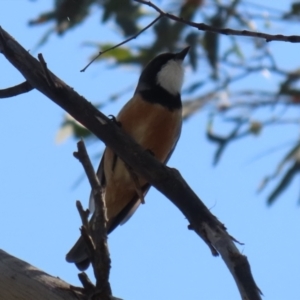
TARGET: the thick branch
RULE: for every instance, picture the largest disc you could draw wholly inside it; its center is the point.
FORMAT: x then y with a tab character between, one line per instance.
166	180
19	280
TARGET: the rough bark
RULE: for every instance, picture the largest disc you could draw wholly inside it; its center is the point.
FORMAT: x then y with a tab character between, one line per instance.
21	281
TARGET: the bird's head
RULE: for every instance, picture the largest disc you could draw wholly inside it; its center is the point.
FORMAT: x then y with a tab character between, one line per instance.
165	70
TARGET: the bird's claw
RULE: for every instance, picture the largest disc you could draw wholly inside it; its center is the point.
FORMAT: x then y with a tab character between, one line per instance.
114	120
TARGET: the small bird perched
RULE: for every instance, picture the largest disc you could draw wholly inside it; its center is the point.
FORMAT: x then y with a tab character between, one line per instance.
153	118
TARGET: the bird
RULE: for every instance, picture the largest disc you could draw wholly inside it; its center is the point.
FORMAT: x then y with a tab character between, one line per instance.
153	118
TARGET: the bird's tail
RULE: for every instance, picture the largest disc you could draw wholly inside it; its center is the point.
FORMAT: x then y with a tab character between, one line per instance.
79	255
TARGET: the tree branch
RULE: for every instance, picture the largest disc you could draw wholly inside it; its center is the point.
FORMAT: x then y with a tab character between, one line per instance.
166	180
100	255
122	43
45	69
224	31
19	280
16	90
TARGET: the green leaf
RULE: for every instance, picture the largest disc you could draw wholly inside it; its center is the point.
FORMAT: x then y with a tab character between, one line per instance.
295	9
71	128
126	14
194	86
119	54
284	183
192	39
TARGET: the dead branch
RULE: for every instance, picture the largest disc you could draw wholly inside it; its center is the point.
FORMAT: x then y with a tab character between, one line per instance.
97	230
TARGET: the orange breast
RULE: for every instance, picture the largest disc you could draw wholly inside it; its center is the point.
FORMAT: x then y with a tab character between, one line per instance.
155	128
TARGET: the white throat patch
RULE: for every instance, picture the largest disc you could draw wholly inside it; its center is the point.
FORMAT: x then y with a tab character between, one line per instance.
170	77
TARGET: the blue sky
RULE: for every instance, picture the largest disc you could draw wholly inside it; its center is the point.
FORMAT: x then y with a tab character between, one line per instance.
154	256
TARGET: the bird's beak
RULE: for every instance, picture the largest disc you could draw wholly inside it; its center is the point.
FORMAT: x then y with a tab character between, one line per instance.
181	55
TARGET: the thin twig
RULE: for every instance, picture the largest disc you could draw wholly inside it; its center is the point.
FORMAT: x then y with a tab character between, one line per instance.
87	284
225	31
83	157
45	69
84	214
16	90
122	43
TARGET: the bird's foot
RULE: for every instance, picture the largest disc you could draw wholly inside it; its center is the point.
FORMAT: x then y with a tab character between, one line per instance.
151	152
114	120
